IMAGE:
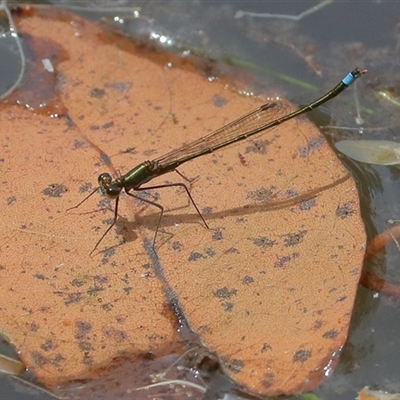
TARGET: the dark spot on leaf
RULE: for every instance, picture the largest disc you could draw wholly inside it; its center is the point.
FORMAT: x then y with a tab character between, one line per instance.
176	246
40	276
345	211
105	159
259	147
232	250
107	307
204	329
87	359
316	143
282	261
154	337
119	86
293	239
242	159
55	190
341	299
303	151
210	252
228	306
121	335
262	194
127	289
56	360
97	93
33	327
101	279
290	193
217	235
332	334
73	298
268	380
263	242
266	347
219	101
85	187
77	282
129	150
307	204
108	125
78	144
93	291
234	365
47	345
301	355
354	271
85	346
38	359
82	329
125	278
247	280
206	210
224	293
11	200
195	256
108	253
115	334
94	127
175	119
318	324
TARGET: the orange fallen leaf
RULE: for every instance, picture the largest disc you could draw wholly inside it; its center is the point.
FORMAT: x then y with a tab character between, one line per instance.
369	279
269	288
368	394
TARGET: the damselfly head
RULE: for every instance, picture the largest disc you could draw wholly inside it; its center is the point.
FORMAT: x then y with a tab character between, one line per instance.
108	187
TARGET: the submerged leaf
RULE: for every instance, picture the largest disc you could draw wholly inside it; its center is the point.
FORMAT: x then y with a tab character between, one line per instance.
10	366
389	96
382	152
